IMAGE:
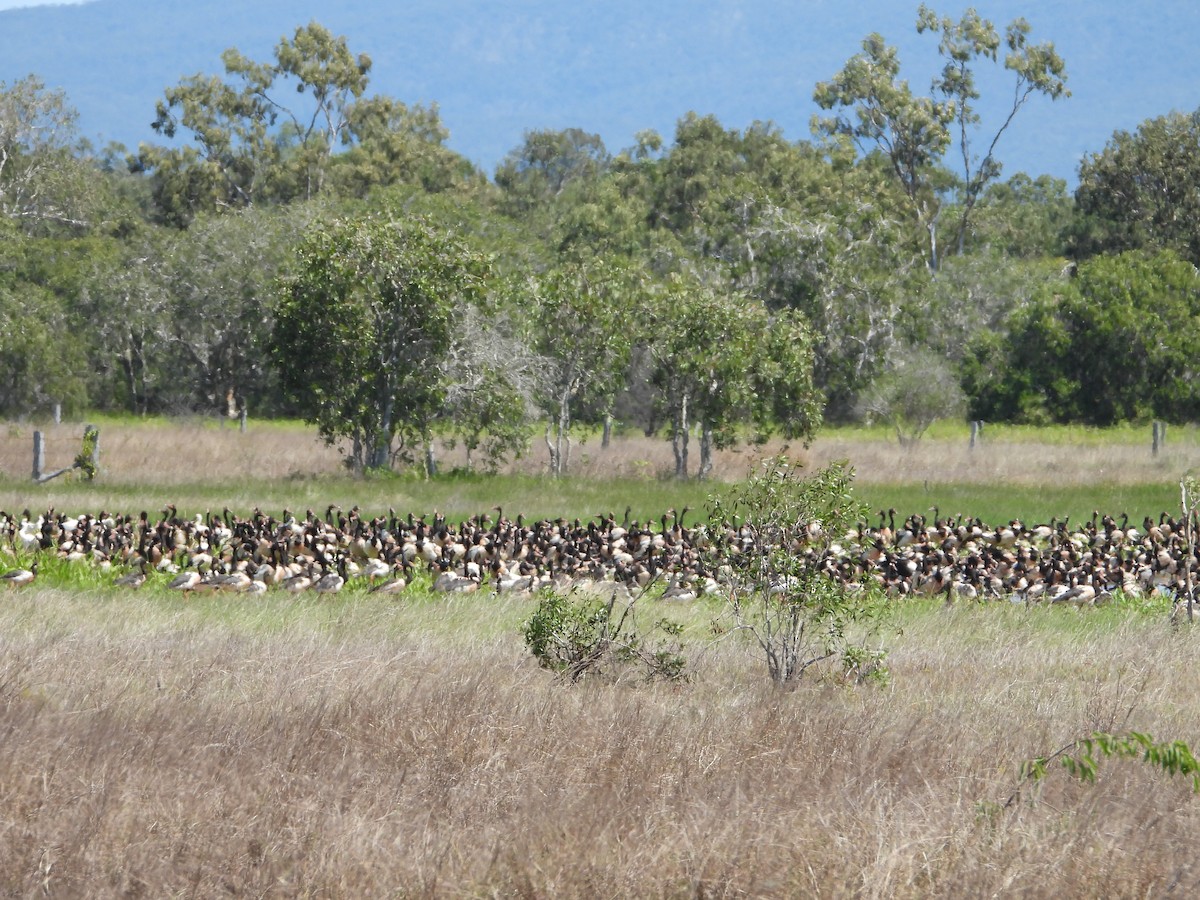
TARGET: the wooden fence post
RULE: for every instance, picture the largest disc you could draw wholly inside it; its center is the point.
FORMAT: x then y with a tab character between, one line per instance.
88	459
39	455
1158	437
976	433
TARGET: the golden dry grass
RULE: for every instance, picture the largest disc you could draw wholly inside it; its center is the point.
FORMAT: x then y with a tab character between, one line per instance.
170	452
159	747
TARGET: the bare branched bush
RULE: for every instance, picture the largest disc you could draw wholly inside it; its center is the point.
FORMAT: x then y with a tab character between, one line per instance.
914	390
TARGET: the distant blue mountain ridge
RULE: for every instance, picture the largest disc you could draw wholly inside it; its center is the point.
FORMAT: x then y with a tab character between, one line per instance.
615	67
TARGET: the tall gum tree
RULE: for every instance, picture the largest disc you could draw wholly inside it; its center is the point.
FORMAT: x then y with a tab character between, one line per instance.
1143	190
247	142
878	111
721	361
584	312
44	182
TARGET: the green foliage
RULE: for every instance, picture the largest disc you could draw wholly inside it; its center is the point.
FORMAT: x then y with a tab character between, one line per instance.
397	144
881	113
1023	218
914	390
548	162
720	359
42	353
1112	344
971	299
491	380
85	460
252	145
831	244
584	635
240	157
1080	758
45	186
799	613
581	328
1143	190
363	325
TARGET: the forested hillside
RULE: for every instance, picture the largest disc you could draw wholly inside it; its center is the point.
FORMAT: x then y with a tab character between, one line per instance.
296	242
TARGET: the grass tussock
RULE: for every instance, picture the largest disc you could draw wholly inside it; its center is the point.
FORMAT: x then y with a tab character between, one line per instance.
155	746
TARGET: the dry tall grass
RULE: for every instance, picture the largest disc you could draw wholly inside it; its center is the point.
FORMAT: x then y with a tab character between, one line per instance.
166	453
157	747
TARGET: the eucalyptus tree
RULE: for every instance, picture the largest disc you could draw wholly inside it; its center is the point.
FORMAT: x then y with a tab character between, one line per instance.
124	299
45	179
1023	218
547	163
491	380
365	319
250	143
394	143
584	313
843	261
878	111
975	294
915	389
721	362
712	184
42	349
219	278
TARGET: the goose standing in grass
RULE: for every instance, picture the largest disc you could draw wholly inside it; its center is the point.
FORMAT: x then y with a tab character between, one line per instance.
19	577
134	579
393	585
332	582
185	581
301	581
375	569
450	581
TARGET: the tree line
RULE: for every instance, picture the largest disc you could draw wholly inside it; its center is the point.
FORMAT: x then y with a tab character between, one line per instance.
300	246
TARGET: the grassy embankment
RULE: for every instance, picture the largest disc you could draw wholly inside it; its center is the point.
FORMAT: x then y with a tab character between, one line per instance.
156	745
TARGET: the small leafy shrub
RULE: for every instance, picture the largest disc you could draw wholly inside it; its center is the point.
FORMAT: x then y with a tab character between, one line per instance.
779	529
865	664
580	634
86	460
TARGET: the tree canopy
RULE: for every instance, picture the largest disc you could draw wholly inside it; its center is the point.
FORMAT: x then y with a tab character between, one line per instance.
1111	344
363	325
1142	191
268	132
300	245
880	113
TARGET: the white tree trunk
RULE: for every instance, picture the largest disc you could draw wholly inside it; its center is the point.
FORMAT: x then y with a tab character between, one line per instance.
680	437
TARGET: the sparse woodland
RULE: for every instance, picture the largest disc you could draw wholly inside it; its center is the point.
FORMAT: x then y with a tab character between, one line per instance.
706	287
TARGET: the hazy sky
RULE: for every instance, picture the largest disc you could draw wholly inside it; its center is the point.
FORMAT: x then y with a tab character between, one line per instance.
616	67
13	4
